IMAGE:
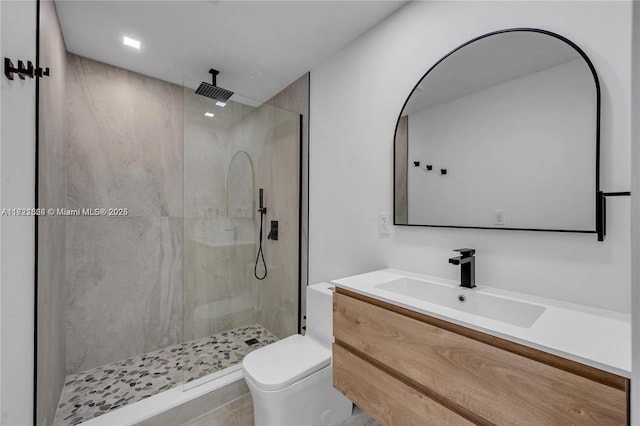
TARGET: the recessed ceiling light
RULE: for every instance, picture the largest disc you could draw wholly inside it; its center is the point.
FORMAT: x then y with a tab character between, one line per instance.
208	114
220	104
128	41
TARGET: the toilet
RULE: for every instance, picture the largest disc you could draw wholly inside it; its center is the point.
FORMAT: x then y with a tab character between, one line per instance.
290	381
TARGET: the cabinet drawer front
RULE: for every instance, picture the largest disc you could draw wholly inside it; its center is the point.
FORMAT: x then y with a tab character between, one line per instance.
384	397
499	386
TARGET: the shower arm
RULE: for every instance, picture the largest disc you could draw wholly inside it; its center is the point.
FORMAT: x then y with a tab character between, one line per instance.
213	73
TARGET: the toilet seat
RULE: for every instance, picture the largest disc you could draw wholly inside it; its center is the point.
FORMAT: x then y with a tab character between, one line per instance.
285	362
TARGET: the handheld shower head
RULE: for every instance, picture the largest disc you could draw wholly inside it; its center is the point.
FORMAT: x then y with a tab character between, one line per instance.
262	209
212	91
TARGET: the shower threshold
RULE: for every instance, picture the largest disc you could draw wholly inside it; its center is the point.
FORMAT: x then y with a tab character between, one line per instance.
92	393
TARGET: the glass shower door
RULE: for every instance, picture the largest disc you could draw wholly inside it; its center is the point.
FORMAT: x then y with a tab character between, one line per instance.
230	153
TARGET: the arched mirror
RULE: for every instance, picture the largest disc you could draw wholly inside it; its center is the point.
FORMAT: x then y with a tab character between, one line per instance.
502	133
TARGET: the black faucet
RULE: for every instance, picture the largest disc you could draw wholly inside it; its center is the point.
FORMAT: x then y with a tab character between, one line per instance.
467	264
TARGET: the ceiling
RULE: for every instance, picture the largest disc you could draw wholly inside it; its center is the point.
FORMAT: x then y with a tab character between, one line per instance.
259	47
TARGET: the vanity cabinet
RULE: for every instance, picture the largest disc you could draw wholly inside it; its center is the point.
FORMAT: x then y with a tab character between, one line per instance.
404	367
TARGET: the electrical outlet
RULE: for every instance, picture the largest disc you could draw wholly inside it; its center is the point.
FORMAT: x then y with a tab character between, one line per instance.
384	224
498	217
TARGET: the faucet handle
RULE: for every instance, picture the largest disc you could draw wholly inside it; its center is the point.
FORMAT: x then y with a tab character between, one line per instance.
466	252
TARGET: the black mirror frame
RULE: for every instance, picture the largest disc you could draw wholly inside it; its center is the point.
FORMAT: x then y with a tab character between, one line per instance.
599	196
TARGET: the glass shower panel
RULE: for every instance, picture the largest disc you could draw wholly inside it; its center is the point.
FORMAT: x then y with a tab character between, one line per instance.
230	153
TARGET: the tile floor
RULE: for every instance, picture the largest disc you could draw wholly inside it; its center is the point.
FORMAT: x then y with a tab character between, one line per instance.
97	391
240	413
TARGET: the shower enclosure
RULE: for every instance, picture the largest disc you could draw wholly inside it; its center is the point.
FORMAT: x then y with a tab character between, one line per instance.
228	157
165	295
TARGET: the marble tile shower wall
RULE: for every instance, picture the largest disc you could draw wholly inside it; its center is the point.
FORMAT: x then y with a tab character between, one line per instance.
124	144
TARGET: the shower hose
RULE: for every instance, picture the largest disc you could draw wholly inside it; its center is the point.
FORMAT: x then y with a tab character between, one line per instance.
260	254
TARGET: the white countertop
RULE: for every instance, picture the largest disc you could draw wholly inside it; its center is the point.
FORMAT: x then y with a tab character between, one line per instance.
592	336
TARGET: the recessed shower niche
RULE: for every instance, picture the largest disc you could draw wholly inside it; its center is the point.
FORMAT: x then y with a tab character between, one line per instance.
240	187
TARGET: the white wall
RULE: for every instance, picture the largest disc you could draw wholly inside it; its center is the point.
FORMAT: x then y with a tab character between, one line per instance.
635	224
17	233
356	96
540	131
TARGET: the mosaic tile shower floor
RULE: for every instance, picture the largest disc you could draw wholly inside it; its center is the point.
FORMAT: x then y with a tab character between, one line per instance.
94	392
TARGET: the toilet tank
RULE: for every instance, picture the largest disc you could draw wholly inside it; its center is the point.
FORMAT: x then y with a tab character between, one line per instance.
320	313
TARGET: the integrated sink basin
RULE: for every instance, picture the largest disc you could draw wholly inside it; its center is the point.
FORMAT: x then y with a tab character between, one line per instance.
509	311
591	336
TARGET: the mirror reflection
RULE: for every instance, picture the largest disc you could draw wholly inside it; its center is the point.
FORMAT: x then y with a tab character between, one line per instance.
501	133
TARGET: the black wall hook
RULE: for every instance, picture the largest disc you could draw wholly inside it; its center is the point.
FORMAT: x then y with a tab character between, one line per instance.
443	171
43	72
10	70
27	71
416	164
429	167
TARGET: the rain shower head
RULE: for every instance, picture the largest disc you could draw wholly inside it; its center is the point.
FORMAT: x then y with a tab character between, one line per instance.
212	91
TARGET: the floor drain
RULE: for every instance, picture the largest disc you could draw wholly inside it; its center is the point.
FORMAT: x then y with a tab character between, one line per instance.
252	342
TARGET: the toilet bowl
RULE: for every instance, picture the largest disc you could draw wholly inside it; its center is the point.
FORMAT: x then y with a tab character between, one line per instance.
290	381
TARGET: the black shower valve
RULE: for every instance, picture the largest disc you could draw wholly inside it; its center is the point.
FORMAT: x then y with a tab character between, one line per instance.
273	233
